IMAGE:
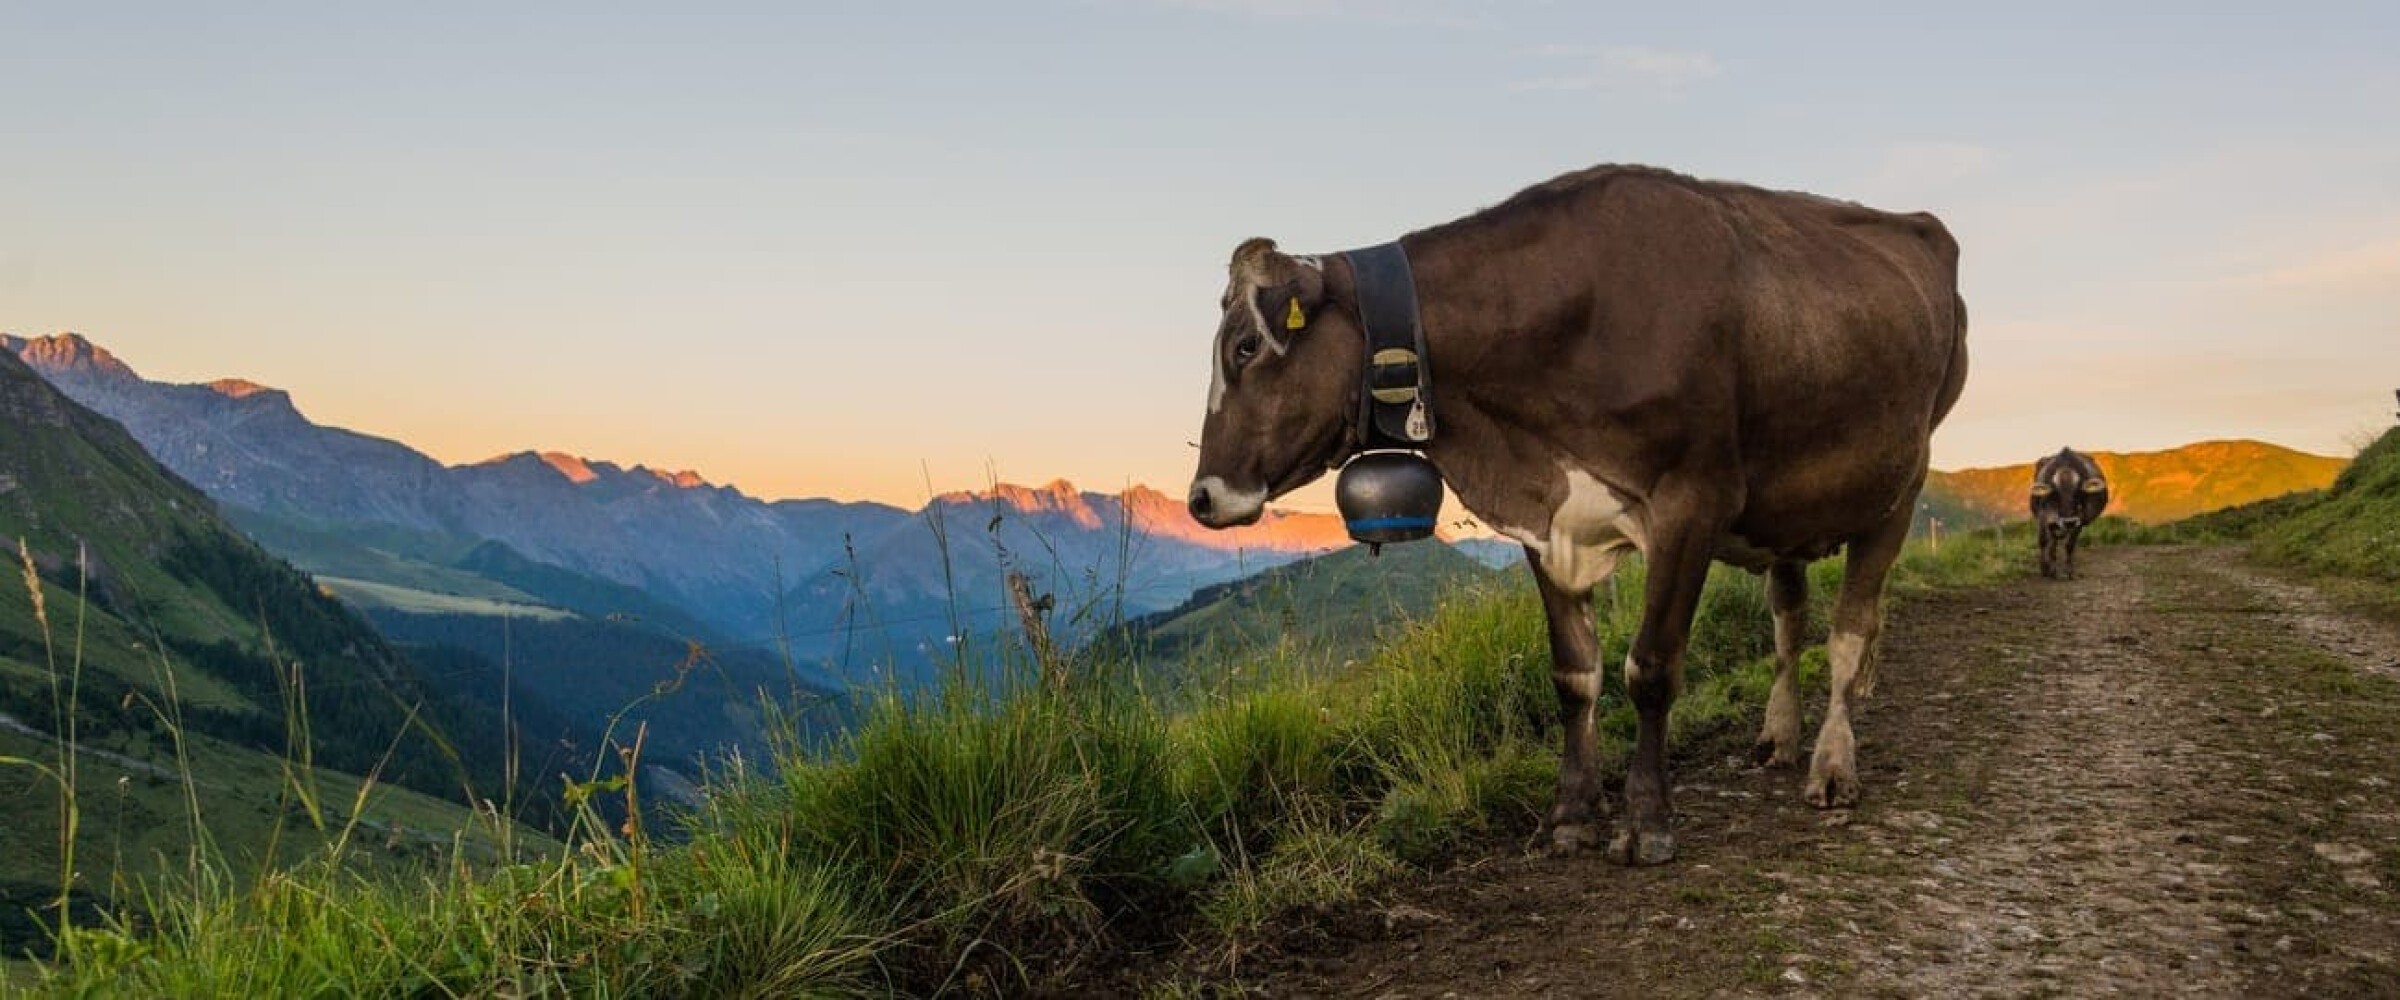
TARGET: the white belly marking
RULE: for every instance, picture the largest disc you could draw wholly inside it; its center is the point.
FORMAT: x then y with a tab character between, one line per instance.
1589	532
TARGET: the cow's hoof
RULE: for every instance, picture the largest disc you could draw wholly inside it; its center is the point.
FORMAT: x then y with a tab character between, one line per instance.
1642	847
1833	788
1572	838
1772	753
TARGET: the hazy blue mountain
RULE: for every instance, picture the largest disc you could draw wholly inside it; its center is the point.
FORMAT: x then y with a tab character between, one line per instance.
846	583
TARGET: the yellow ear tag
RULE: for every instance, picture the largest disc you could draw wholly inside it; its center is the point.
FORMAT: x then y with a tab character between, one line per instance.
1295	319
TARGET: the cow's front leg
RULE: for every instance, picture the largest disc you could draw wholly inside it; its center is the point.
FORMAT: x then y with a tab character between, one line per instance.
1574	671
1653	676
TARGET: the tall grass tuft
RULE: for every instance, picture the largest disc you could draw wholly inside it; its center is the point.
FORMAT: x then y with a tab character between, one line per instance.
991	833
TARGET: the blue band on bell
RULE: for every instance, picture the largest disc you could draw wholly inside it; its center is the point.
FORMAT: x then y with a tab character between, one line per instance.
1390	524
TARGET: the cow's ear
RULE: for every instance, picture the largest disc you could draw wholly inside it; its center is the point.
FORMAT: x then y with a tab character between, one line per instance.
2041	489
1290	306
2094	485
1287	290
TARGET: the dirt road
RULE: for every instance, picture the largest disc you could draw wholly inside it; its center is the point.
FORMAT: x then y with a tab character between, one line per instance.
2172	776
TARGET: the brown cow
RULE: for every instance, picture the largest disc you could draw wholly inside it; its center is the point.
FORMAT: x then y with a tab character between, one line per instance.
2068	495
1625	358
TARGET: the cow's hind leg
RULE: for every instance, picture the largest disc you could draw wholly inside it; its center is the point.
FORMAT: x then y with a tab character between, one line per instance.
1653	676
1857	617
1779	736
1574	671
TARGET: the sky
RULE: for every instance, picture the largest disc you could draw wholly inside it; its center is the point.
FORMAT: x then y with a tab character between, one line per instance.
872	250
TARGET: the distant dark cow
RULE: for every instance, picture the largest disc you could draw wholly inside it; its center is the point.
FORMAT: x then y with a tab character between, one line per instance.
2068	493
1630	359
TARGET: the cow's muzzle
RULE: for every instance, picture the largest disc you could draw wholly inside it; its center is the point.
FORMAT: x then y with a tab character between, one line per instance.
1217	505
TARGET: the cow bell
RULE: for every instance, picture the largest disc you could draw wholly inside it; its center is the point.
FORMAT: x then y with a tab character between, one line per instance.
1388	496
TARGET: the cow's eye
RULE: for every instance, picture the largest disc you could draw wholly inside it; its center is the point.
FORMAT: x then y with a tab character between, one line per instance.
1245	349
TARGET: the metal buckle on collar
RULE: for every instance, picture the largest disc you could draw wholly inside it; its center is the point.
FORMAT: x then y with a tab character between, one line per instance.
1392	376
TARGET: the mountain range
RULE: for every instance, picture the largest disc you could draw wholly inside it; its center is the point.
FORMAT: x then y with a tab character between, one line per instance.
827	582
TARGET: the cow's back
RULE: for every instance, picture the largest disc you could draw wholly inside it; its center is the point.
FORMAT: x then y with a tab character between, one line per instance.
1851	350
1646	323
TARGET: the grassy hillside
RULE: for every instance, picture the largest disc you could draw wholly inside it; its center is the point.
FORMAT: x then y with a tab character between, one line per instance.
2352	529
1338	606
1000	841
137	628
2151	487
695	699
138	814
2349	531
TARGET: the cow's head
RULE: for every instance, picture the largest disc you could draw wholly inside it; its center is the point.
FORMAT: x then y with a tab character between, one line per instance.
2064	496
1283	389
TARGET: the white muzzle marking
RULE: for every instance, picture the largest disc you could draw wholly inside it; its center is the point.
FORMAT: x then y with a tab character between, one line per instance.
1228	506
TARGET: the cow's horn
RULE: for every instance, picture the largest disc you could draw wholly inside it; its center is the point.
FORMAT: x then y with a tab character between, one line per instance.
1250	259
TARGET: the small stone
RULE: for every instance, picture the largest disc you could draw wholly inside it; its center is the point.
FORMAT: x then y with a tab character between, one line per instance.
1404	915
2344	854
1793	975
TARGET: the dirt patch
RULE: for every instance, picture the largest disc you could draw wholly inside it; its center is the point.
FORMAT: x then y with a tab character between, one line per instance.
2368	644
2154	779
